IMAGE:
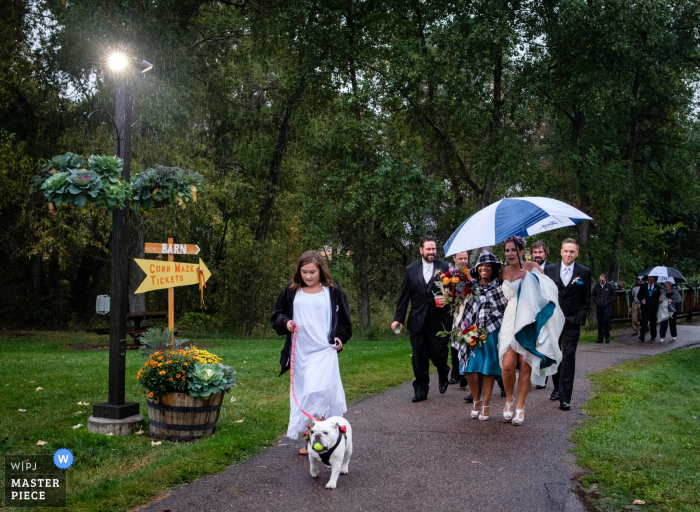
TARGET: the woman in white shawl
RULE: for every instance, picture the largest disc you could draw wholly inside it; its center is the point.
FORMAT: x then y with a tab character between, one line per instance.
532	323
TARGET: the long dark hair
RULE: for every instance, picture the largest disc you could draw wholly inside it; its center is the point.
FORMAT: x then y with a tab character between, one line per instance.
316	259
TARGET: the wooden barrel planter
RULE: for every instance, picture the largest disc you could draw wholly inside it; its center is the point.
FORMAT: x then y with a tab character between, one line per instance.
181	417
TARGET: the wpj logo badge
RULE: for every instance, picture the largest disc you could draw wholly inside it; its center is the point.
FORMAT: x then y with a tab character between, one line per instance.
63	458
37	480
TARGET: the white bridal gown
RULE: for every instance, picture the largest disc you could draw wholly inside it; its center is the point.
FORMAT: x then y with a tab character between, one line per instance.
529	302
316	373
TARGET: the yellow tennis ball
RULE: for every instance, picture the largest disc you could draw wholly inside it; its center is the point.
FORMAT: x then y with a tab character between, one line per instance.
318	446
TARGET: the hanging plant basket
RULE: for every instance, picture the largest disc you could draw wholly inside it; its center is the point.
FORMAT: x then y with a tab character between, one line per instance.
67	180
161	186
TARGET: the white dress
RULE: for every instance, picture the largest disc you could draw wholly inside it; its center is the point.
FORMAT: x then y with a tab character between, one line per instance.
316	372
532	323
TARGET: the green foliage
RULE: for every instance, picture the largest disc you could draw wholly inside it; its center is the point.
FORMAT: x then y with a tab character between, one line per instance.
210	378
166	185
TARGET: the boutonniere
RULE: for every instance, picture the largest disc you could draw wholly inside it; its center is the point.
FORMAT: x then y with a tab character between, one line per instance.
577	280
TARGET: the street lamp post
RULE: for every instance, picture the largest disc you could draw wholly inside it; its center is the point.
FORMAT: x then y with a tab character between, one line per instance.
117	416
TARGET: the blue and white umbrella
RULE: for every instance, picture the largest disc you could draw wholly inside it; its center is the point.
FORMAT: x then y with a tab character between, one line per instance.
517	216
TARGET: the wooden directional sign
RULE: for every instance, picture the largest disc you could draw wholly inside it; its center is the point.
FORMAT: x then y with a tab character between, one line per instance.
171	248
169	274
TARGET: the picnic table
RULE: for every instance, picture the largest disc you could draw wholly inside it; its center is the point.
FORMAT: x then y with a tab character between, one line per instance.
137	330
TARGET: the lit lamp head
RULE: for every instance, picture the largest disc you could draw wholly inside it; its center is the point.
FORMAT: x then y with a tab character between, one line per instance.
119	62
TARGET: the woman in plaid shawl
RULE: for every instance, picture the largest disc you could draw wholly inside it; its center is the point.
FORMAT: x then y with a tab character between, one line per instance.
485	311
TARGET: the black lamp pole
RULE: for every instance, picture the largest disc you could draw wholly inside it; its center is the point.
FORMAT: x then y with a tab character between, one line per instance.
115	407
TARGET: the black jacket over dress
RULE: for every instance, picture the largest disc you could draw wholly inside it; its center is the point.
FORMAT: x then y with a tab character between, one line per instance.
649	309
575	301
425	320
341	327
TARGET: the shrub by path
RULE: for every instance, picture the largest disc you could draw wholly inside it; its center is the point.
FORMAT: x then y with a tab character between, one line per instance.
427	456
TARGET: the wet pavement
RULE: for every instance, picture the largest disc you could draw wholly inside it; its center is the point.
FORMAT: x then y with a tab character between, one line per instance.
429	456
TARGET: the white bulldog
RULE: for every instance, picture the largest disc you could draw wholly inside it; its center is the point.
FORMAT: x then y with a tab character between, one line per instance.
336	447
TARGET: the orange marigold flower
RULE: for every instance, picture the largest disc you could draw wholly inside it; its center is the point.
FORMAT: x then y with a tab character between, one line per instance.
170	378
183	378
160	358
168	362
185	364
162	372
177	376
150	394
160	364
138	376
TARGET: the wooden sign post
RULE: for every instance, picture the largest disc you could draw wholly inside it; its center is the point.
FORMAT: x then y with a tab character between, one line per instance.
160	275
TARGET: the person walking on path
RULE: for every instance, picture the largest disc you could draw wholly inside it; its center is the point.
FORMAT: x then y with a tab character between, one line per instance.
426	319
603	296
485	311
319	308
636	306
674	305
461	260
532	323
648	295
574	284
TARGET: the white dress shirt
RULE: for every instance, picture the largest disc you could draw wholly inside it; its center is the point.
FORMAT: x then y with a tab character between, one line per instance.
428	271
566	273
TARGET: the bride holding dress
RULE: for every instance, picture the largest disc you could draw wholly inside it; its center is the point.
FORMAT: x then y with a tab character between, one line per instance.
532	323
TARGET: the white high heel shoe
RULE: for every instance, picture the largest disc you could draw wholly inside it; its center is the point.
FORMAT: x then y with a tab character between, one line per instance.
508	414
475	413
519	421
484	417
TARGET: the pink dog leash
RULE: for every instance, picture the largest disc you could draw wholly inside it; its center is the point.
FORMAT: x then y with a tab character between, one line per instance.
291	371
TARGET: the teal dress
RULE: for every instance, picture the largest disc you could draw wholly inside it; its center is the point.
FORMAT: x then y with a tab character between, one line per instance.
484	360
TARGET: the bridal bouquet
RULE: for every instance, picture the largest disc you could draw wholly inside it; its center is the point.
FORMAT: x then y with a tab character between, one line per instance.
469	336
456	286
457	290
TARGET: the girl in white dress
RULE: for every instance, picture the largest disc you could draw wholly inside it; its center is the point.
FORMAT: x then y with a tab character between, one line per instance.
532	323
319	308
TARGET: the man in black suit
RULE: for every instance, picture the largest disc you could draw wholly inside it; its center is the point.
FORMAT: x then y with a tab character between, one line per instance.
425	319
648	295
540	253
574	284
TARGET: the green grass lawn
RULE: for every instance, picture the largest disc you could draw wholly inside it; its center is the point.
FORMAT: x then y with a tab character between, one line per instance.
118	473
643	442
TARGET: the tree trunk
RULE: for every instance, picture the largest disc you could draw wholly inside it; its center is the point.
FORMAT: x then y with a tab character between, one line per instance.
361	245
631	153
137	239
268	203
54	278
364	280
38	273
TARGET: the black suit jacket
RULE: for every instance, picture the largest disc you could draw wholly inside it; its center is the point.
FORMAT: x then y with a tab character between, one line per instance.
423	310
652	302
574	299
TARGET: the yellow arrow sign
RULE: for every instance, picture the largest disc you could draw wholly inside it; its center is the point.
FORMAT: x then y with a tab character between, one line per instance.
169	274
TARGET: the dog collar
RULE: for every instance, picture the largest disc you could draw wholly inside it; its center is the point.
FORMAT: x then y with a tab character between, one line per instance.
326	457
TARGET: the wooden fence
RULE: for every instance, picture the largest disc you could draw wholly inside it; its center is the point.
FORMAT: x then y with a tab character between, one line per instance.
621	311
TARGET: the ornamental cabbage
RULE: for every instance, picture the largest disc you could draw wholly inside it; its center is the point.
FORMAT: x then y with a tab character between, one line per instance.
208	378
106	166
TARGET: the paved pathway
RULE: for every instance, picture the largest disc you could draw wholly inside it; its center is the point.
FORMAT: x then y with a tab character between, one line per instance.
428	456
